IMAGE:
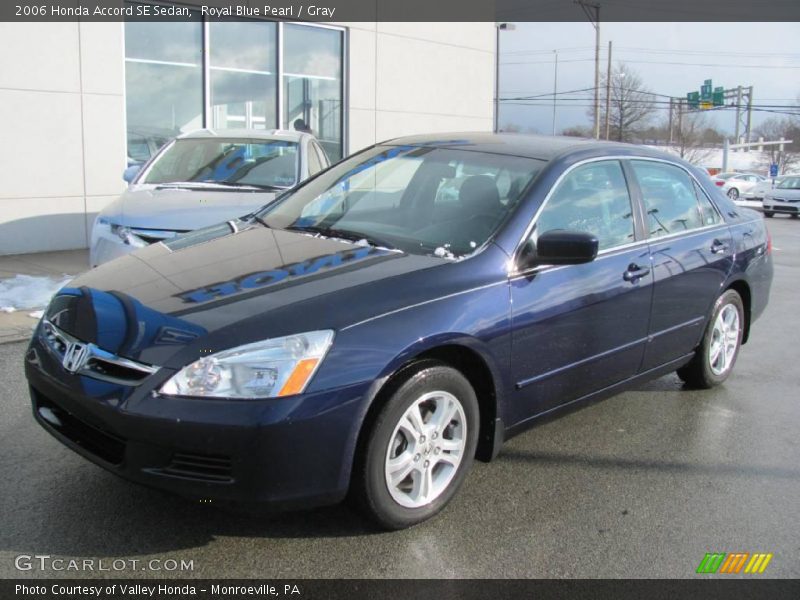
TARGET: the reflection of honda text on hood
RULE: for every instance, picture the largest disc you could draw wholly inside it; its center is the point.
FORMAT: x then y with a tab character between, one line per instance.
200	289
197	180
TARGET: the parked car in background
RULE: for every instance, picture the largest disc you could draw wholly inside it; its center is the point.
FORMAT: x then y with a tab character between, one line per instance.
784	198
720	178
199	179
367	334
759	191
740	186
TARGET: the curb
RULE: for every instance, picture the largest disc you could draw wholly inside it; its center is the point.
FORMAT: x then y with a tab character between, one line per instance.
14	337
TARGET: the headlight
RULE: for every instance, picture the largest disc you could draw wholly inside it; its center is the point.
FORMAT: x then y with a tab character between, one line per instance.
269	369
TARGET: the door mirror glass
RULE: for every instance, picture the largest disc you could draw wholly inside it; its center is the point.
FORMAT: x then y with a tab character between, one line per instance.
131	172
559	247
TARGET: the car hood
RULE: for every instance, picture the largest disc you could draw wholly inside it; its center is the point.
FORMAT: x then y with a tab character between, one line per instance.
182	209
779	193
214	289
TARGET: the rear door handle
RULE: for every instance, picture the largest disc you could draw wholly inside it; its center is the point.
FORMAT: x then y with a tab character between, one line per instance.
717	247
635	272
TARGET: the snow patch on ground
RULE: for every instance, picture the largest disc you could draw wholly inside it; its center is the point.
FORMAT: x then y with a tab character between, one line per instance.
29	291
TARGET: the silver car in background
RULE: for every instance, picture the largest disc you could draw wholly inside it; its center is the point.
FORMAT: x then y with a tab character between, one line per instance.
739	186
200	179
784	198
759	191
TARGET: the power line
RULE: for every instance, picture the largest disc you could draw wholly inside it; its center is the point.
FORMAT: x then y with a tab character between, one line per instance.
656	62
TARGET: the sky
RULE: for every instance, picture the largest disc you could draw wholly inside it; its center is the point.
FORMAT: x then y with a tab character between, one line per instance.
764	55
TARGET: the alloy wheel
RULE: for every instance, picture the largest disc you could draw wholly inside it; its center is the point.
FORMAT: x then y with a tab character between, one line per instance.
724	340
425	449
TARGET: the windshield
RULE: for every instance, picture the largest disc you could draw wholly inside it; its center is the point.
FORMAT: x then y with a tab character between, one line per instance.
790	183
267	163
419	199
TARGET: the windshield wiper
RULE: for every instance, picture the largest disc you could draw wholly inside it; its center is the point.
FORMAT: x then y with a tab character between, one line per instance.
344	234
260	186
217	185
257	219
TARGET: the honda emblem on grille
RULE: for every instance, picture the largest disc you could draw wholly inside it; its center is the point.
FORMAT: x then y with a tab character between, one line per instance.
75	356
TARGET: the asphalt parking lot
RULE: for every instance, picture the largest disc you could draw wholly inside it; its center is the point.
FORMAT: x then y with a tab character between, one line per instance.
640	485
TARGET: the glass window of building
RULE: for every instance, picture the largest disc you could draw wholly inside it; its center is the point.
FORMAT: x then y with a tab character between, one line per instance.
312	84
181	76
243	63
163	83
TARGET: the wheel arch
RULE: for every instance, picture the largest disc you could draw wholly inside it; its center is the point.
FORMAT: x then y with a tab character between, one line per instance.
462	354
741	287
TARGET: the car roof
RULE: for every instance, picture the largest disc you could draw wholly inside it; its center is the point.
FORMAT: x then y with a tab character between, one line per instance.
543	147
285	135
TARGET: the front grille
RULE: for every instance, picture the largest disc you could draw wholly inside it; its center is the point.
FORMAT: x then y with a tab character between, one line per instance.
89	359
786	209
103	444
200	467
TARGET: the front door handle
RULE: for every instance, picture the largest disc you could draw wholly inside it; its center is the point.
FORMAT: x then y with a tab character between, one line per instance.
717	247
635	272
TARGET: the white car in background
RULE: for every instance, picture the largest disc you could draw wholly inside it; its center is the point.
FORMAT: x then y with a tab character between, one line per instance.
760	190
740	185
784	198
200	179
720	178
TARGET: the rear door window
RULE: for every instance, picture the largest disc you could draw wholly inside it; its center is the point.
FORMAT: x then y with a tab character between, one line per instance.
669	196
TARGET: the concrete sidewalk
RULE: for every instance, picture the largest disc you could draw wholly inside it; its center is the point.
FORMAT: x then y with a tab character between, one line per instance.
17	325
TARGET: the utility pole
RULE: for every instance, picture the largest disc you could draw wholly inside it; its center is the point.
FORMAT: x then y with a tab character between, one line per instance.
608	92
738	112
592	12
498	28
555	88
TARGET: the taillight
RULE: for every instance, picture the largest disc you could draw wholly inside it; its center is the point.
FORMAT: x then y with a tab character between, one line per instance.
719	183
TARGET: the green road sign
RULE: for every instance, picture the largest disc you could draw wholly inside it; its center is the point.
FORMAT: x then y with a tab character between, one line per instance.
718	97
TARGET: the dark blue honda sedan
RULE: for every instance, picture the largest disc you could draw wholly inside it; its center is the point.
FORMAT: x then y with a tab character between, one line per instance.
374	330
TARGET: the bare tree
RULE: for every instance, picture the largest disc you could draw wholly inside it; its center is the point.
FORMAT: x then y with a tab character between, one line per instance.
577	131
689	138
632	103
774	129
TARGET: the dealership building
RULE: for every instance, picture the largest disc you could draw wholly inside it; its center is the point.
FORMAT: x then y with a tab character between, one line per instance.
79	101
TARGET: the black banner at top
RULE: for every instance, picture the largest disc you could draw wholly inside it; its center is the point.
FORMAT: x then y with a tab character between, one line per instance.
323	11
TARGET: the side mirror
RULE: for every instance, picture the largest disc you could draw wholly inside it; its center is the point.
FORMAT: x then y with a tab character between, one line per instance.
559	247
131	172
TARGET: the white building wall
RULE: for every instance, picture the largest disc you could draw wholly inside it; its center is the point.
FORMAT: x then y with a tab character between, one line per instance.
62	111
62	117
408	78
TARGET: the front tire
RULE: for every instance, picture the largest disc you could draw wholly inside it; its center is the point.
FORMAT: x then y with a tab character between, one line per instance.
769	214
419	448
715	357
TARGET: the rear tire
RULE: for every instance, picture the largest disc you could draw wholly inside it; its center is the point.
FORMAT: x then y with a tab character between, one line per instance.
733	194
419	447
715	357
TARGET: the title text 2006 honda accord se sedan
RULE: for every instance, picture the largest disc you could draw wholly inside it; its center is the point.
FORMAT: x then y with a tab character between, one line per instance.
376	329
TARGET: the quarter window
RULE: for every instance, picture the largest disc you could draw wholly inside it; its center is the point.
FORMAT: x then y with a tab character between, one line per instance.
669	196
592	198
710	215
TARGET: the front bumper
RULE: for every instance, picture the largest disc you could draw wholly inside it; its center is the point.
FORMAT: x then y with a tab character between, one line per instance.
789	208
291	452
